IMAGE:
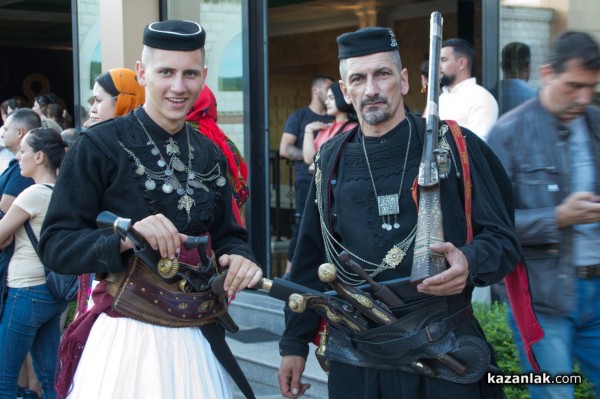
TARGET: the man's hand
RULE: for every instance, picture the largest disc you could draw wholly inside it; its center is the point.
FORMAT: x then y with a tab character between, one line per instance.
160	234
452	281
241	273
578	208
290	373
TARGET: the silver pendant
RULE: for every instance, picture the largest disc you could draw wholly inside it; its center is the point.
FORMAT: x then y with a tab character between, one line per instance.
154	151
180	191
169	172
140	170
389	227
186	203
150	184
191	176
167	188
172	147
189	191
388	204
178	165
221	181
161	163
384	225
396	225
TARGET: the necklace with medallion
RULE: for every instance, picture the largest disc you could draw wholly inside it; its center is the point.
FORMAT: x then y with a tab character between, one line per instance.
333	247
388	205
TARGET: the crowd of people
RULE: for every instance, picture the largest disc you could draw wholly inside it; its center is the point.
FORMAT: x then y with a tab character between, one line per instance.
520	199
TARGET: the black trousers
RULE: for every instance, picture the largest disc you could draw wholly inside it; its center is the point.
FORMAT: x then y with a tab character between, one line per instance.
349	382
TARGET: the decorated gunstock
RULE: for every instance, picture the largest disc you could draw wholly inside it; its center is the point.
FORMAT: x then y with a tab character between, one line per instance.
429	219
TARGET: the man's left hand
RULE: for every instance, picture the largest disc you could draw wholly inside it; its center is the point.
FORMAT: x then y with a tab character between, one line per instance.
452	281
241	273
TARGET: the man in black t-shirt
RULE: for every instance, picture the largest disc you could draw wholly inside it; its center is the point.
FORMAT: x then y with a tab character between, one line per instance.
291	147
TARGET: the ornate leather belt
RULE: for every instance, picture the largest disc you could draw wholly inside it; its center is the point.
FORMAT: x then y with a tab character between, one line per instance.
587	272
142	295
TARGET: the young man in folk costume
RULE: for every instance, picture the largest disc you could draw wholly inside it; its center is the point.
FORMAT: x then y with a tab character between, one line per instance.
151	167
377	162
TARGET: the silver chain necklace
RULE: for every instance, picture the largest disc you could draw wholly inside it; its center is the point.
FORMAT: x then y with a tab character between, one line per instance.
389	205
167	176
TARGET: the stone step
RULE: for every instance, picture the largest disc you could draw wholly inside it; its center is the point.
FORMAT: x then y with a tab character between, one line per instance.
257	309
256	347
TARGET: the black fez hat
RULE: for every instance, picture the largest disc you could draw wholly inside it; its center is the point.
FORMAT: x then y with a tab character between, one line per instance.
174	35
340	103
366	41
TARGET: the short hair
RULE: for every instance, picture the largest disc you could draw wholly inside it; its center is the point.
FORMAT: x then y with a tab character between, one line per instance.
12	103
516	56
320	79
394	55
70	135
574	45
462	47
26	118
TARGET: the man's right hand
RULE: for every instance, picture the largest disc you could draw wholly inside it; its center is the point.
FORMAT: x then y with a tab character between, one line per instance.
290	373
578	208
160	233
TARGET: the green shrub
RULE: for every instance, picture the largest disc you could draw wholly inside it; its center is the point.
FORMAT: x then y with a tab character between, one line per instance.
493	321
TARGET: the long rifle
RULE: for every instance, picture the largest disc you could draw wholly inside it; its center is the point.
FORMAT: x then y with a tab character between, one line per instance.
429	220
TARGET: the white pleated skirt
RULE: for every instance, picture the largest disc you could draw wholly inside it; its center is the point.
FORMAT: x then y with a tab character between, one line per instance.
125	358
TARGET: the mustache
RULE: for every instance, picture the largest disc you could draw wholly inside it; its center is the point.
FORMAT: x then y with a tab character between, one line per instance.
373	100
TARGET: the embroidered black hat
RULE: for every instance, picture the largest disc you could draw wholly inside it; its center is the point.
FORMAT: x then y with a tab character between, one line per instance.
366	41
174	35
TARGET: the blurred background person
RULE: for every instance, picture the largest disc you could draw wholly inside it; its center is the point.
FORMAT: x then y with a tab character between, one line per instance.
60	115
516	58
424	81
40	106
70	135
6	108
203	116
550	148
461	98
116	92
317	133
31	315
290	147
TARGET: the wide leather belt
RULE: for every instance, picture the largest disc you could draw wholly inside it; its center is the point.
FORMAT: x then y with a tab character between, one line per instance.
430	333
587	272
142	295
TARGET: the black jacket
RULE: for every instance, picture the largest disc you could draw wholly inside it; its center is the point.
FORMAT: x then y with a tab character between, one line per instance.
491	255
99	175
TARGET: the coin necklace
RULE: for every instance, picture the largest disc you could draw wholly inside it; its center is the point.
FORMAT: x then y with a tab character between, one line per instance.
170	181
388	205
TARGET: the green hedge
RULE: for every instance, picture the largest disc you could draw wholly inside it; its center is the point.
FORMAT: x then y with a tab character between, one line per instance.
493	321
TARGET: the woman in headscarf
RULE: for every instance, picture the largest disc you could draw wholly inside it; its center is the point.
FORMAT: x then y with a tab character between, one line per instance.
115	93
203	116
